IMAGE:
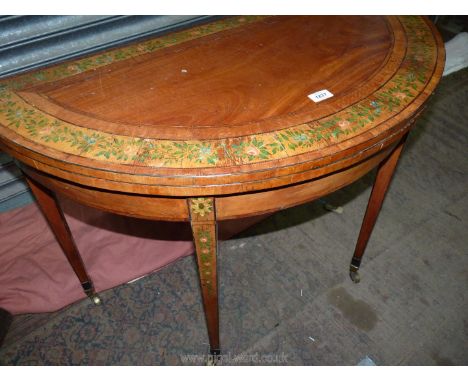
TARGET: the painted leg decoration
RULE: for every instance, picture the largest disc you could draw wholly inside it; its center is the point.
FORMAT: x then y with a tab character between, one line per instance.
203	221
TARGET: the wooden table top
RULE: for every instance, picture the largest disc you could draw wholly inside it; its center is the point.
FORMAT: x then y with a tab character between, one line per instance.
223	107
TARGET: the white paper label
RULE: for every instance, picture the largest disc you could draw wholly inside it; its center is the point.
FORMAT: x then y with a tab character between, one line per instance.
320	95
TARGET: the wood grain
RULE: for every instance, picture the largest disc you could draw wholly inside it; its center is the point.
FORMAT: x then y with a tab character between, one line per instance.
205	237
214	123
379	190
231	80
52	211
207	127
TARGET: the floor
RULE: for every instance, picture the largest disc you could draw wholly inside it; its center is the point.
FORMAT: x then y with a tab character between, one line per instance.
285	294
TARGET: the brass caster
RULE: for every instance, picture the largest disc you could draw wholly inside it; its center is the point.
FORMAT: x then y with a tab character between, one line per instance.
355	276
212	361
214	357
96	299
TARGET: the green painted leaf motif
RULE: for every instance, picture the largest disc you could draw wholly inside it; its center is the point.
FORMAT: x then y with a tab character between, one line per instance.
393	96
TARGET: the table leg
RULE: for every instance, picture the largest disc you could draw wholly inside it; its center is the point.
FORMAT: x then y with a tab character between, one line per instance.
381	184
53	213
203	222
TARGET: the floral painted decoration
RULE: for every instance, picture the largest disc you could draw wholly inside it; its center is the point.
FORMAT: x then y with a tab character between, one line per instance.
201	206
206	253
23	119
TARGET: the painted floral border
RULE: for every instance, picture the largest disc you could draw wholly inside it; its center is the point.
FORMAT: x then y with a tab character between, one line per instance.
206	251
389	100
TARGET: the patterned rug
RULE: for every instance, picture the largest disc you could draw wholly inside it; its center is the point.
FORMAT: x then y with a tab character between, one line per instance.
285	296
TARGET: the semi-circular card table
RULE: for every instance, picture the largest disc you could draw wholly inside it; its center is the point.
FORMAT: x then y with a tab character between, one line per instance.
239	117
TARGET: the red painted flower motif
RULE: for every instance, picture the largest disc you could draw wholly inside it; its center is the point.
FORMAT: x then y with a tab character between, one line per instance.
45	131
252	150
131	151
419	58
343	124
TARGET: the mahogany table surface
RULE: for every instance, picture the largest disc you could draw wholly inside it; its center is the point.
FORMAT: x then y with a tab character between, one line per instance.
215	122
223	108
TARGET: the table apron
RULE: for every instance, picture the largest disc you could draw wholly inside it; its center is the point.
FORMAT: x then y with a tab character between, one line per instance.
227	207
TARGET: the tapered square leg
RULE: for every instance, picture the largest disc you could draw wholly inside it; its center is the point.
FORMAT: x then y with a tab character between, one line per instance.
381	184
204	229
53	213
